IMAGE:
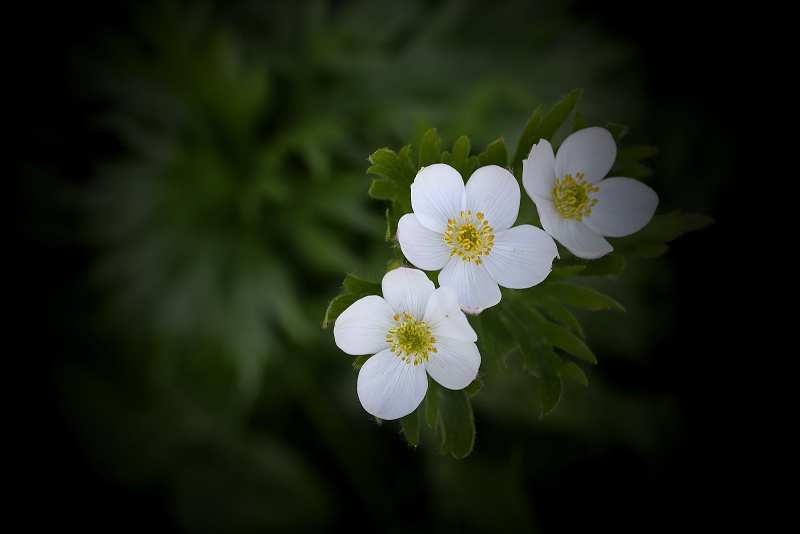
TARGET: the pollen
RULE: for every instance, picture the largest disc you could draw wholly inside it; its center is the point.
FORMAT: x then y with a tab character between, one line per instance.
572	197
411	339
469	237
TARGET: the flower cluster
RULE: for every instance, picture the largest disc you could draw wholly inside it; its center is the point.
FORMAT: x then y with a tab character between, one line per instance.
466	232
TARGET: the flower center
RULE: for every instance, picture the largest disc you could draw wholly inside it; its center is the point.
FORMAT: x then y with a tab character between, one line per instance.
411	339
469	239
572	197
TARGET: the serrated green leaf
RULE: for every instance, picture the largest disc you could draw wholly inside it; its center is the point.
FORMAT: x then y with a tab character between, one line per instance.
496	154
429	148
393	166
384	189
410	426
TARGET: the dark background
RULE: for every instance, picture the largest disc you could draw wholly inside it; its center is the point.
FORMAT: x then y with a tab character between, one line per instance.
658	440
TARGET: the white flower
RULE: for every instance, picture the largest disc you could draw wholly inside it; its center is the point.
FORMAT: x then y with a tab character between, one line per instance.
576	205
465	230
414	328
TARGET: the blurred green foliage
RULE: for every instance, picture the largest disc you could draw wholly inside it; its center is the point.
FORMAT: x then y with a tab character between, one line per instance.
195	183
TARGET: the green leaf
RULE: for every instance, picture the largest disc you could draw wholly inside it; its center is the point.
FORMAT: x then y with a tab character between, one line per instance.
361	286
528	137
456	422
385	189
429	148
354	289
410	427
474	387
460	159
494	337
651	241
550	383
634	153
580	122
496	154
545	127
618	131
580	296
432	404
398	172
337	306
637	171
567	341
608	265
361	360
556	116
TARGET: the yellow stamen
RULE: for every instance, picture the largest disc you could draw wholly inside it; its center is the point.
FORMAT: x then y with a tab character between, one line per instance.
411	339
469	239
572	198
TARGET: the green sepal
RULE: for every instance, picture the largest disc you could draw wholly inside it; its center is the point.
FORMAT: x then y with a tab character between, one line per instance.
460	159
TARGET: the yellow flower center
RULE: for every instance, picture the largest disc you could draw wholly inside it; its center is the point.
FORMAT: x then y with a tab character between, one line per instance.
469	239
411	339
572	197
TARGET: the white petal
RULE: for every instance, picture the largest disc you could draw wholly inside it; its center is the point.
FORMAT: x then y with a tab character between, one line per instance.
390	388
591	151
407	290
539	171
443	314
574	235
494	191
362	328
424	248
455	364
473	283
624	206
437	194
521	257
